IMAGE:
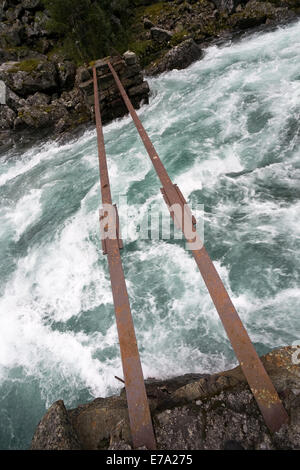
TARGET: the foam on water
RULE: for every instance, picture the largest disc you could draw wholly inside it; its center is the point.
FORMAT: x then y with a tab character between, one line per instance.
227	129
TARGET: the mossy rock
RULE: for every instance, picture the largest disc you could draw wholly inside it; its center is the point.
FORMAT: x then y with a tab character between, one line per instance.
293	4
147	51
28	65
177	38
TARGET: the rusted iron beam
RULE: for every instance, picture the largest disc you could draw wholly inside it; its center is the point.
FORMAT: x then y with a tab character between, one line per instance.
138	406
260	383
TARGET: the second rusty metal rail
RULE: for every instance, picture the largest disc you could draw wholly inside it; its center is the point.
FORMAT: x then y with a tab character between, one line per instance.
138	407
260	383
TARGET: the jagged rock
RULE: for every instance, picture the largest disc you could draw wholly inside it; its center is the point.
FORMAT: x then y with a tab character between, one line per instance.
13	100
82	75
197	412
140	90
148	23
160	35
228	5
256	13
74	102
11	35
180	428
38	99
38	111
96	422
6	139
41	76
55	431
178	57
7	117
66	75
40	22
35	117
31	4
13	13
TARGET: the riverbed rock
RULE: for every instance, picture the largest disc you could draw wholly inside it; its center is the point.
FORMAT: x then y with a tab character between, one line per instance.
164	38
147	23
228	5
160	35
29	76
196	411
256	13
55	431
179	57
7	117
54	96
66	74
31	4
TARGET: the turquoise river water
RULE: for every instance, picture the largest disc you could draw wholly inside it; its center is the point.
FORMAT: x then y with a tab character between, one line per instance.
227	130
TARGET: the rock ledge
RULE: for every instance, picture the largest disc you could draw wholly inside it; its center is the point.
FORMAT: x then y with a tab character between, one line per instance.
194	411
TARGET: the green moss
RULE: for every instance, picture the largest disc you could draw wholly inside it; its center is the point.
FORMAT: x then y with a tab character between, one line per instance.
140	47
19	49
177	38
47	109
147	51
28	65
154	11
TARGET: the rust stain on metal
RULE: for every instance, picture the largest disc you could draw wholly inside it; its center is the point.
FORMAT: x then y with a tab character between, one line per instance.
260	383
138	407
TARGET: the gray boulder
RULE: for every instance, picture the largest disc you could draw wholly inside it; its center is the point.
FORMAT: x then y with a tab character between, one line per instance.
40	21
55	431
13	100
179	57
66	75
256	13
11	35
228	5
30	76
148	23
14	13
38	99
194	412
160	35
7	117
31	4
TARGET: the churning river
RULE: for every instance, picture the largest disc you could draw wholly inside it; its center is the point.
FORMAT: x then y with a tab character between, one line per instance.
227	130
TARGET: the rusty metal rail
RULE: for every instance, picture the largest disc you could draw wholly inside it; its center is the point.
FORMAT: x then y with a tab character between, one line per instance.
260	384
138	407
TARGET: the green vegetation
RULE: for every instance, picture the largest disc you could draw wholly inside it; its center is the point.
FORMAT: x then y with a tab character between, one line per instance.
154	11
86	29
28	65
146	50
177	38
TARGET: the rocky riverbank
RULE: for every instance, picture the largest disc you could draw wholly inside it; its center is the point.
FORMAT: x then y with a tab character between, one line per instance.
48	95
195	411
45	98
